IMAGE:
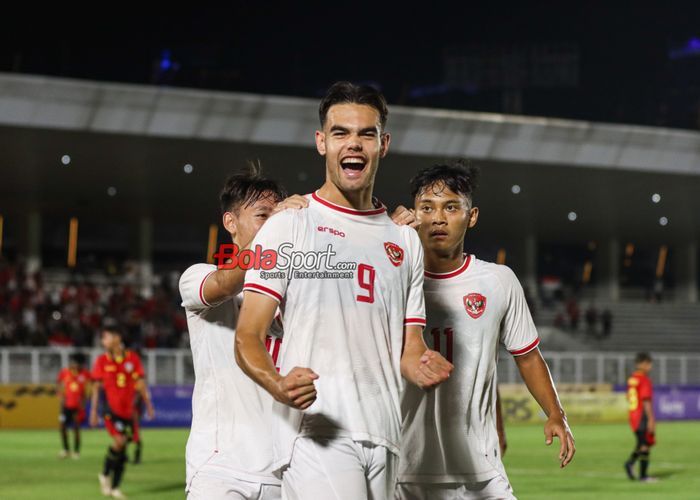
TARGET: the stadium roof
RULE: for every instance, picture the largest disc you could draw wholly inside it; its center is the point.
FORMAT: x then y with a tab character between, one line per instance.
138	139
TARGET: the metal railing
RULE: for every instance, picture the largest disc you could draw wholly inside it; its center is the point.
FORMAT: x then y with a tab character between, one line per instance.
40	365
608	368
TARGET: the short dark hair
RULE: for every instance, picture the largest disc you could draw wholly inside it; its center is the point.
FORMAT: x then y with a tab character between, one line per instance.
642	357
247	186
78	358
349	93
111	325
460	176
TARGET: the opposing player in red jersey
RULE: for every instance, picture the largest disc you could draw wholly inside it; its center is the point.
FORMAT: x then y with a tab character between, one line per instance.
639	395
120	373
72	383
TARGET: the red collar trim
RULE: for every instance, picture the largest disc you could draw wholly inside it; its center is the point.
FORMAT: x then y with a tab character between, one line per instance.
451	274
351	211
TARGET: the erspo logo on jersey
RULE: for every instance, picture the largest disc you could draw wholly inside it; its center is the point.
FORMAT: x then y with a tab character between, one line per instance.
331	230
284	262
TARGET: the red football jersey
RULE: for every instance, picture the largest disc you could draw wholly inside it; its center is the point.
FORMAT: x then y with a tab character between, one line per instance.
119	376
639	389
73	387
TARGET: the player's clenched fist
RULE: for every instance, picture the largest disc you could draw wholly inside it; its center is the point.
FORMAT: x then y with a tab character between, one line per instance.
296	389
433	369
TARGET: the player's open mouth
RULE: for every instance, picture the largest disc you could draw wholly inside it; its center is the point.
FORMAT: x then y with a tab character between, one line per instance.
353	166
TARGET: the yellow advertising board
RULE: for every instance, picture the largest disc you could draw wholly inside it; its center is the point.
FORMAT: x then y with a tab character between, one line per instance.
583	404
28	406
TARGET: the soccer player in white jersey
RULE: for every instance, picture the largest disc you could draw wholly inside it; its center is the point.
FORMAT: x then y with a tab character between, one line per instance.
450	444
353	316
229	450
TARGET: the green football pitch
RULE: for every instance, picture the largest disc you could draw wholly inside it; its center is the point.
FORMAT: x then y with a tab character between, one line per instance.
30	469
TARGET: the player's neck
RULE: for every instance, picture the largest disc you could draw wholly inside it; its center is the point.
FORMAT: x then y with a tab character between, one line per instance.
438	263
240	244
358	200
117	352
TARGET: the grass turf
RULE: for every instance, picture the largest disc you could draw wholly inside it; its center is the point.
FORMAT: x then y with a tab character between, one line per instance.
30	469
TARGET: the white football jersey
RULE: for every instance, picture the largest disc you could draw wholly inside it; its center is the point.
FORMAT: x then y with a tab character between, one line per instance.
230	432
345	323
449	433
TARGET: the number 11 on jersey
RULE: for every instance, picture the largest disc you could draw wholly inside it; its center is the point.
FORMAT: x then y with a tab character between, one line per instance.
438	335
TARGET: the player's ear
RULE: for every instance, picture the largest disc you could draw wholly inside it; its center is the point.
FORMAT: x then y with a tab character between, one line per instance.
384	145
321	143
473	216
229	220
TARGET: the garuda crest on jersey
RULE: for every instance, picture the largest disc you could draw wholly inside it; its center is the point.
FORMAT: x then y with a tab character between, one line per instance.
394	252
475	304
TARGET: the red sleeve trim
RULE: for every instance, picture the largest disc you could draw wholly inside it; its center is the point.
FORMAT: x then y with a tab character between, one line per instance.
414	321
254	287
201	290
527	349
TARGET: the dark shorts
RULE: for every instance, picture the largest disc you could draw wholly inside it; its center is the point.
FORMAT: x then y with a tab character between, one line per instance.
71	416
118	426
644	438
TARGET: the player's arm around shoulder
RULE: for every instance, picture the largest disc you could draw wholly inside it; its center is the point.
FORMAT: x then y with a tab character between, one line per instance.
403	216
192	286
206	285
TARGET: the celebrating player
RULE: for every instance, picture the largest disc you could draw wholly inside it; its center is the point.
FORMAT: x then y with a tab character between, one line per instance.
353	305
120	372
450	442
72	391
641	412
229	450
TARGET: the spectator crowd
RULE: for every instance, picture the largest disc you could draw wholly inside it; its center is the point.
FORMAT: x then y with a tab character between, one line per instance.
34	312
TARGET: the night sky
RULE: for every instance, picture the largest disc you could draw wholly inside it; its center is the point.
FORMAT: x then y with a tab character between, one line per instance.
625	72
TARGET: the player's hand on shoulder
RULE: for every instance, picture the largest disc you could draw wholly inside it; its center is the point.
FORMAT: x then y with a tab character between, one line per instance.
403	216
297	389
557	426
295	201
433	369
